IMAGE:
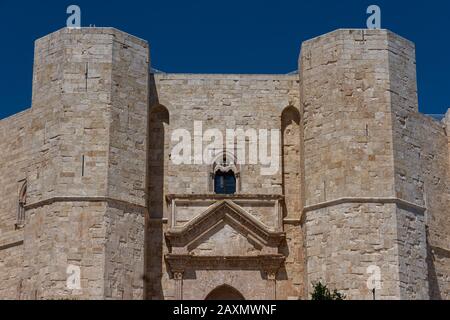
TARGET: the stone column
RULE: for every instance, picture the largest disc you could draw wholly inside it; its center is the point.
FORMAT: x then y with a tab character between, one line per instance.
178	277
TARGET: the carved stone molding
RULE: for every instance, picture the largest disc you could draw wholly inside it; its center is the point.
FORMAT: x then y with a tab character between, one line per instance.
183	240
206	196
260	262
232	214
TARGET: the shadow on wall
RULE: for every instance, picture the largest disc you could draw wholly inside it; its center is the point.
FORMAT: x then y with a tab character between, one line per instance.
433	284
290	140
158	122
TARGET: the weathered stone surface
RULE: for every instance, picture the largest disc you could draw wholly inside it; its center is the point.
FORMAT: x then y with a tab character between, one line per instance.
85	168
363	179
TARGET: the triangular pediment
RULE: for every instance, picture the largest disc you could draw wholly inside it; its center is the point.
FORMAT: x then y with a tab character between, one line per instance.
223	240
218	220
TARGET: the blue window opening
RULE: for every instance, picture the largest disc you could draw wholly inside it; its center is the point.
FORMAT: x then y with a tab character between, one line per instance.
225	183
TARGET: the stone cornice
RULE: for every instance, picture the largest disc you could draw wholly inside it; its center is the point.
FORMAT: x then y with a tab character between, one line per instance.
397	201
52	200
441	252
266	262
258	197
11	239
292	221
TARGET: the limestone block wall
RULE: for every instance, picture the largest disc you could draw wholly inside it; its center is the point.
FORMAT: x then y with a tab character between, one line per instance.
408	175
159	282
71	92
365	176
224	102
128	123
124	252
348	153
354	83
335	237
127	169
91	142
14	159
422	169
412	255
346	116
421	172
57	236
431	137
403	101
11	262
291	283
435	172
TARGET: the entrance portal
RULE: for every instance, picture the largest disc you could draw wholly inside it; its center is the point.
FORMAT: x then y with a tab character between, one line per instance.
225	292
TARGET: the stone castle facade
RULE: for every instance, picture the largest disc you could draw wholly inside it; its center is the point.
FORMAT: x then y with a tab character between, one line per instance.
88	182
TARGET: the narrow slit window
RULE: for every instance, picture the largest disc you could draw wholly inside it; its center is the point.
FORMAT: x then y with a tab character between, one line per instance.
21	207
83	160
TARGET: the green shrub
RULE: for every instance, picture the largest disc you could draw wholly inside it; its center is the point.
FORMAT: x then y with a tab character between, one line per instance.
321	292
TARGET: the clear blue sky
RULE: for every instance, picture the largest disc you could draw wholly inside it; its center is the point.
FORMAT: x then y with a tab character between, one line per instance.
225	36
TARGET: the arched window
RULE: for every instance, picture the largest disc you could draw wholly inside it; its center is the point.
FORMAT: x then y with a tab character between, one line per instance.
225	175
21	206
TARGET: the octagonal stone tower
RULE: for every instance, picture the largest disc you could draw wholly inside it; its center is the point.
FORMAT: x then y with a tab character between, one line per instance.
364	200
86	182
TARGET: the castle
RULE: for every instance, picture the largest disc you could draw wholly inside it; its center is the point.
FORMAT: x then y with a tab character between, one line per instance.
93	205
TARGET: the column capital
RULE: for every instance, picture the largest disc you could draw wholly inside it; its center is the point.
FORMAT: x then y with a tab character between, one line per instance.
271	275
178	274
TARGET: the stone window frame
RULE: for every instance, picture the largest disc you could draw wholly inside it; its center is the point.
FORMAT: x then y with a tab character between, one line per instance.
219	165
22	201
